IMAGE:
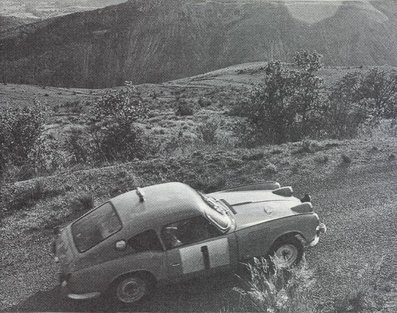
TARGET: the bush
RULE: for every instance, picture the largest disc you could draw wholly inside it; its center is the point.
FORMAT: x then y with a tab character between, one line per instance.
77	144
345	159
208	130
118	141
360	99
14	199
20	129
286	107
204	102
208	183
83	203
183	108
344	114
112	134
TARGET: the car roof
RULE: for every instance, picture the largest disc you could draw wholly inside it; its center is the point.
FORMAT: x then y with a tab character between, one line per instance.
163	204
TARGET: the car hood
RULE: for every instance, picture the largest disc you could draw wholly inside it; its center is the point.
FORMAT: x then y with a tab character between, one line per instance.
255	207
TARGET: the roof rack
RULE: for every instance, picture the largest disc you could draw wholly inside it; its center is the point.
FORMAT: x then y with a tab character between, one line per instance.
140	194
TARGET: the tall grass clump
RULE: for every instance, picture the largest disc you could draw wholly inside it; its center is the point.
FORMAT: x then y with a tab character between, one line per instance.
273	288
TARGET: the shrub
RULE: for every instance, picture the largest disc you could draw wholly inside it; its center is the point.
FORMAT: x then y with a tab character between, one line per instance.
83	202
345	159
208	183
20	129
204	102
344	114
321	159
112	133
77	144
118	141
47	156
14	199
121	106
254	156
270	169
183	108
208	130
358	99
286	106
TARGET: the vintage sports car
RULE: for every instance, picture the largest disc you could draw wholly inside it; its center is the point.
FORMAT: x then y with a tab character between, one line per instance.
171	232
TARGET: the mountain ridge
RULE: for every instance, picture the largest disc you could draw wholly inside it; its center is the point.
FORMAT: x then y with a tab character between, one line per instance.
159	40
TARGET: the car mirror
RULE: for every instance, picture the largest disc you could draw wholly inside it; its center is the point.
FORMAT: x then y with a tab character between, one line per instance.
121	245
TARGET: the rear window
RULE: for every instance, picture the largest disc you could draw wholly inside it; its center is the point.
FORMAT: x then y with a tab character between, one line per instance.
95	227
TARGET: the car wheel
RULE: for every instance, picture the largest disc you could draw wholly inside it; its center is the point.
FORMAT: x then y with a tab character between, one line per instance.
289	251
131	289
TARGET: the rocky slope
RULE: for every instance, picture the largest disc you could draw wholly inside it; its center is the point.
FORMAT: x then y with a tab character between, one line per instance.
7	22
41	9
159	40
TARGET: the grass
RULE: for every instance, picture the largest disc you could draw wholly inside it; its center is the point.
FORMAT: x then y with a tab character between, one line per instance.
208	162
277	289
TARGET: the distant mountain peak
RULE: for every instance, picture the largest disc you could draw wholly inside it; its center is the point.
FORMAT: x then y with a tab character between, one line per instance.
159	40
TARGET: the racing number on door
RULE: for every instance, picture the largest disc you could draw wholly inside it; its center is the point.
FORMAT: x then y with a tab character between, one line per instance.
205	256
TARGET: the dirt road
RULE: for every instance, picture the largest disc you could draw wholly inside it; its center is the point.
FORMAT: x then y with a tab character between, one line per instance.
358	205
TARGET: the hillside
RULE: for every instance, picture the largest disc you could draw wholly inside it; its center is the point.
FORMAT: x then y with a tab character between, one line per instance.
351	181
158	40
7	22
41	9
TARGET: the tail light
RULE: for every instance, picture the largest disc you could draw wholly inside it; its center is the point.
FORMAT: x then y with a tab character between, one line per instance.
284	191
303	208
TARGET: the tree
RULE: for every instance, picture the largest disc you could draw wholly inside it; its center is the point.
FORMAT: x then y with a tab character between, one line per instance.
358	99
285	107
113	131
343	113
380	87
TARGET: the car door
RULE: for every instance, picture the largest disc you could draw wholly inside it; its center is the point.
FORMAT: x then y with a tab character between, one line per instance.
195	247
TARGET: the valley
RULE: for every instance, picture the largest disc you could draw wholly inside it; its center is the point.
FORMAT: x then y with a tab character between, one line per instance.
156	41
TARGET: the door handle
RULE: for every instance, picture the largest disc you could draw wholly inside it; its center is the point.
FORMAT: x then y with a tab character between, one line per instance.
175	264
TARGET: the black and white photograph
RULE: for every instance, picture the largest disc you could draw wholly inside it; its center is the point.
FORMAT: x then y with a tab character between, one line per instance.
198	156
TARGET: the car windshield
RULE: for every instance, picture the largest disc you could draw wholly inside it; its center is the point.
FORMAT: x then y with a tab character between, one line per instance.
218	214
95	227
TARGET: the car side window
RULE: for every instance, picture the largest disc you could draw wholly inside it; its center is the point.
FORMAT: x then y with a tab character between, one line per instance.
145	241
188	231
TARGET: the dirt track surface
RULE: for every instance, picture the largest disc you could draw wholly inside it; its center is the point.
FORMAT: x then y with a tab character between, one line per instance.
359	207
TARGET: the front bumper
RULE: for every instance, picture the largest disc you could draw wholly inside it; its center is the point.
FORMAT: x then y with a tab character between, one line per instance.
83	296
321	229
66	292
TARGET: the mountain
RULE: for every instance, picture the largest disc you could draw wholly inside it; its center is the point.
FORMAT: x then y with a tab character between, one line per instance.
7	22
159	40
42	9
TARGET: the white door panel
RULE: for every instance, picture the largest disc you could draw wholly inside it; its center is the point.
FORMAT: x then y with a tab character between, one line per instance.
192	257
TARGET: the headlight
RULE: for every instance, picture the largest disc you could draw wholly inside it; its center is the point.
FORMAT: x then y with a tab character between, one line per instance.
321	229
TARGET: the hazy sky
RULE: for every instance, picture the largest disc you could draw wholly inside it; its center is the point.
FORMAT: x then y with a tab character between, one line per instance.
312	11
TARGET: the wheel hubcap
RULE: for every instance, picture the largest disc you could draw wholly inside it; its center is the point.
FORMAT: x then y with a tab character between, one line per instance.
131	290
287	254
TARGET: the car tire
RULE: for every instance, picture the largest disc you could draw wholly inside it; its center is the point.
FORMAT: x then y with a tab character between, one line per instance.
131	289
289	250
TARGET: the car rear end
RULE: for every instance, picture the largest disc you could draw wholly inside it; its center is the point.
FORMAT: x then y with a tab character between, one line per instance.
78	249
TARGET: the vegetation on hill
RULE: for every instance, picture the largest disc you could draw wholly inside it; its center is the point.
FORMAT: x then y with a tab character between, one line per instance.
290	103
186	37
69	157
